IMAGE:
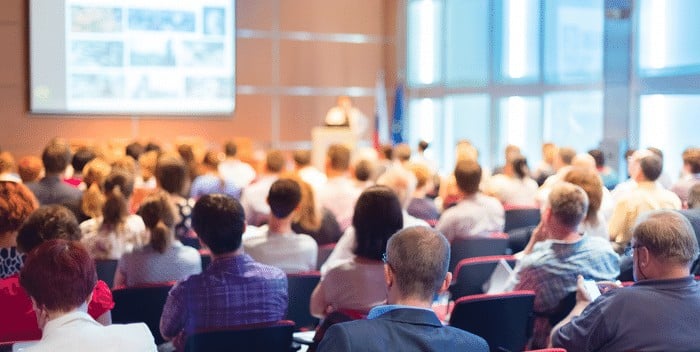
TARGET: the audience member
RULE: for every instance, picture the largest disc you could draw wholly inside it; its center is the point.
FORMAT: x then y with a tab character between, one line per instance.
51	189
362	171
232	168
593	223
509	153
546	166
693	211
17	202
513	187
476	214
307	172
59	276
134	150
339	194
186	152
171	176
94	174
691	174
562	163
147	171
81	157
664	179
420	206
420	157
357	284
18	321
654	314
313	219
415	270
402	153
210	181
648	195
234	289
115	232
607	174
8	168
278	245
30	169
557	252
254	198
164	258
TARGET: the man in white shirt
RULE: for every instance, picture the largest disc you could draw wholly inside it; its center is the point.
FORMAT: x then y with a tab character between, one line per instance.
233	169
339	194
254	197
280	246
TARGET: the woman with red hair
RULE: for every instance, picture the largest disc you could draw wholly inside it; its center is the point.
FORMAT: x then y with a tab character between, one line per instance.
16	203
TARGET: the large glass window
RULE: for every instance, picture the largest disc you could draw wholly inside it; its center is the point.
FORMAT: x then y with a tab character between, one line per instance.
424	36
425	124
520	52
574	119
521	125
467	117
467	43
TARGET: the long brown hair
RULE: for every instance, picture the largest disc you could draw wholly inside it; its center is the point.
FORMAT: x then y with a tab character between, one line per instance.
159	216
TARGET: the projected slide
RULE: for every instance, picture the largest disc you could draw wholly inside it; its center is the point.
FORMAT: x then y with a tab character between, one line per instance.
131	57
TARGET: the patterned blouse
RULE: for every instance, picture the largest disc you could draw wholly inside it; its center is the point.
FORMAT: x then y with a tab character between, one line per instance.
10	261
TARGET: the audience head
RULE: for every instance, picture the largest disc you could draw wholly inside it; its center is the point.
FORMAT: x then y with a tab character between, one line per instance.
7	163
584	160
171	173
417	260
568	204
219	221
694	197
55	157
668	237
590	182
338	157
565	156
308	214
59	276
377	216
81	157
657	152
519	166
465	150
402	152
47	223
302	158
17	202
211	160
468	176
275	161
94	174
422	146
401	181
386	152
511	152
230	149
134	150
284	197
363	169
29	168
598	156
147	164
691	160
549	152
650	167
152	146
159	215
424	178
186	152
118	186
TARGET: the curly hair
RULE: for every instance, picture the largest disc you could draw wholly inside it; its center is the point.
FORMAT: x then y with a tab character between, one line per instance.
17	202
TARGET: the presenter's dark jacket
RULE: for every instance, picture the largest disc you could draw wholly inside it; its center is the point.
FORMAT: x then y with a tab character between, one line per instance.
402	329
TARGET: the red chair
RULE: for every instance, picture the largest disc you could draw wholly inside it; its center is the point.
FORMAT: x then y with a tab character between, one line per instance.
299	289
477	246
142	304
273	337
324	251
504	320
471	274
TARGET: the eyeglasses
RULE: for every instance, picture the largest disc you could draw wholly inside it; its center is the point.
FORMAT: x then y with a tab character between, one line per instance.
629	251
384	258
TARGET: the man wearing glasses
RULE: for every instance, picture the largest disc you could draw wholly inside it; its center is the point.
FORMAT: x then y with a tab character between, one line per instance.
658	312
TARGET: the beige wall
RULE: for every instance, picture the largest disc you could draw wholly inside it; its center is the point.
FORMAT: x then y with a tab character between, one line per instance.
272	67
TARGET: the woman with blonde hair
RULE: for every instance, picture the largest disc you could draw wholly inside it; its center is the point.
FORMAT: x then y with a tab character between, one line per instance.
313	219
94	174
164	258
594	223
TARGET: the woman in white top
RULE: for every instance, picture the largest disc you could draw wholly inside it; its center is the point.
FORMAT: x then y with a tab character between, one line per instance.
164	258
513	187
357	284
115	232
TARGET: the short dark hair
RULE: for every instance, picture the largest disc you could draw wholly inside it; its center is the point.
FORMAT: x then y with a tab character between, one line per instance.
152	146
134	150
363	170
302	157
598	156
423	145
468	176
274	161
567	154
219	221
338	157
55	157
81	157
378	215
651	167
47	223
419	257
59	275
230	148
284	197
171	173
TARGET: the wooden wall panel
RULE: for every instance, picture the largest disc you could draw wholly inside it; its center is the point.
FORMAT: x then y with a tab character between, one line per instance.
336	16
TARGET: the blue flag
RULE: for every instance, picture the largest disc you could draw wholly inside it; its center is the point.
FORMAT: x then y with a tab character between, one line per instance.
397	121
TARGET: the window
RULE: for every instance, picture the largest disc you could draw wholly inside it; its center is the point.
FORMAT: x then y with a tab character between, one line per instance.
423	38
574	119
521	125
467	43
519	50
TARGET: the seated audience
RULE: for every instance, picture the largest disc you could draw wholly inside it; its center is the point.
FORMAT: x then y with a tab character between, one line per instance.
654	314
476	214
546	167
232	168
691	174
147	171
8	168
94	174
278	245
646	196
171	176
509	153
51	189
307	172
513	186
313	219
17	202
594	223
415	270
357	284
693	211
557	252
254	197
30	169
59	277
164	258
420	205
81	157
339	194
210	181
116	232
18	321
562	163
607	174
234	289
362	174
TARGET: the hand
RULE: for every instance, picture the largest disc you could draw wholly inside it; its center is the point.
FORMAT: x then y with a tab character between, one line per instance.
582	295
539	233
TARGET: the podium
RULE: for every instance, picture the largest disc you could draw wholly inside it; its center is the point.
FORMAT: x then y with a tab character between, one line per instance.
323	137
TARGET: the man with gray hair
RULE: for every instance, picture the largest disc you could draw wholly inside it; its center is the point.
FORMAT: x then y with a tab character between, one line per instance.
415	269
557	252
658	312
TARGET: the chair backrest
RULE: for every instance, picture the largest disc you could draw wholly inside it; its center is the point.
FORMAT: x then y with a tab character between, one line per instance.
299	289
273	337
521	217
143	304
477	246
471	274
324	251
504	320
105	270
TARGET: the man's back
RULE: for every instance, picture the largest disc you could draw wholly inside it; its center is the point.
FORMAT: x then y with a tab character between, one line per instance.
51	190
477	215
651	315
403	329
290	252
